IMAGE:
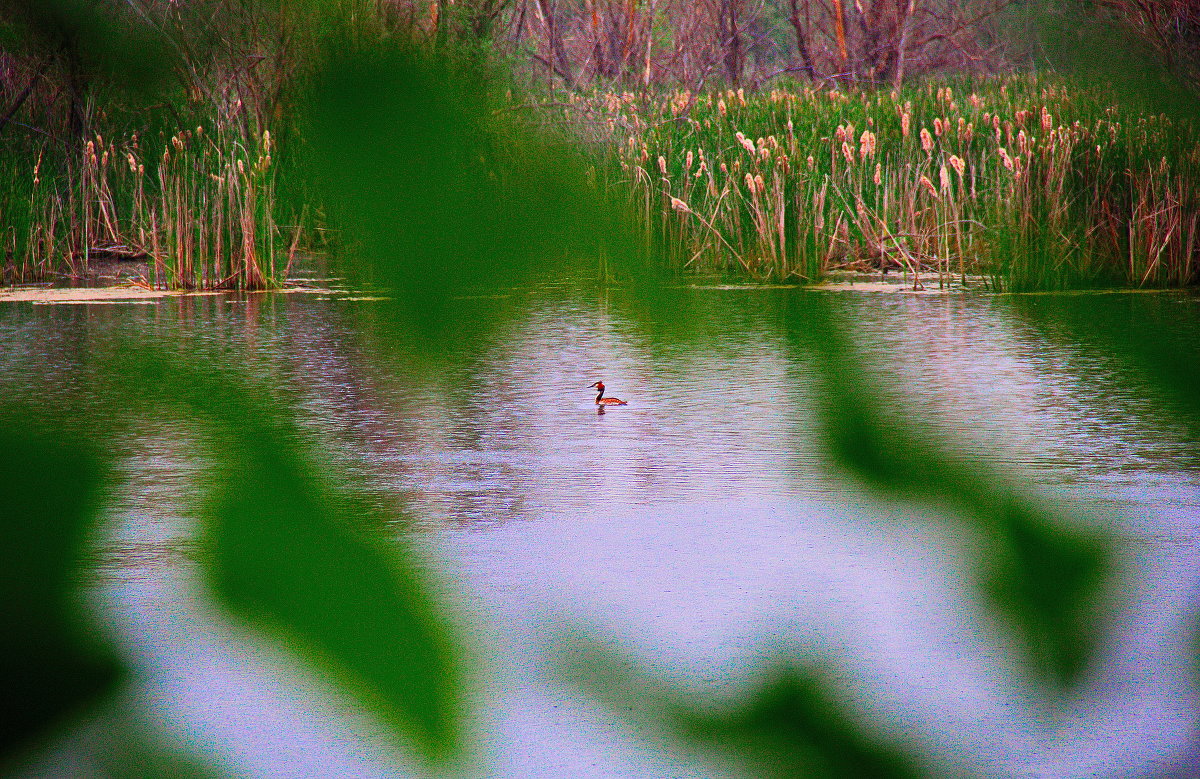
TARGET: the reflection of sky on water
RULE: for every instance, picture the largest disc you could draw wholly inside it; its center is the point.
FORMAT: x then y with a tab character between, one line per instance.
691	527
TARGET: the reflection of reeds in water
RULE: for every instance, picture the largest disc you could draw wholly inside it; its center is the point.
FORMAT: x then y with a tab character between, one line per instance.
200	212
1032	186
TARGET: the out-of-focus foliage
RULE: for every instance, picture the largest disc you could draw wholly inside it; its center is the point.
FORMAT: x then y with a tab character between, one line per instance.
291	552
1043	575
296	552
441	197
52	660
792	724
87	41
1108	43
1143	335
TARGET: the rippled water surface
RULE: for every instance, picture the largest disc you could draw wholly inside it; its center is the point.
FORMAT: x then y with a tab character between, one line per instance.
699	529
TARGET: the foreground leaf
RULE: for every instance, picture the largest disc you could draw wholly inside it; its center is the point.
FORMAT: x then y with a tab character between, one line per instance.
49	666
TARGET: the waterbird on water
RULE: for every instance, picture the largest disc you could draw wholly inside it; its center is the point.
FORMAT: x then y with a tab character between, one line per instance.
603	401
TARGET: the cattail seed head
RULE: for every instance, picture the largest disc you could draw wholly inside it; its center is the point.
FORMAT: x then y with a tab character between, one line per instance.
944	178
721	108
848	153
927	185
679	205
959	165
866	144
662	165
878	174
937	127
905	124
926	140
811	162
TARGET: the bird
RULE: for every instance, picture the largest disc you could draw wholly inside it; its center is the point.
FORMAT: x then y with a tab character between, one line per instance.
603	401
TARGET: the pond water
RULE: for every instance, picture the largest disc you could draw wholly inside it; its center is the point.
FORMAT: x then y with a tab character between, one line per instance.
699	531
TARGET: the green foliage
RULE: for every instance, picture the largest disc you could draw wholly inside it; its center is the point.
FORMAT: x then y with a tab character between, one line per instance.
441	197
791	727
51	662
295	552
793	723
89	40
291	554
1044	575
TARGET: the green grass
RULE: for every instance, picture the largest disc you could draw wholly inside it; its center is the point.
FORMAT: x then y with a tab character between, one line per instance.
1026	183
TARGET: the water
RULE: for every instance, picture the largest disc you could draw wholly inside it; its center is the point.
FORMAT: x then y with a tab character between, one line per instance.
700	530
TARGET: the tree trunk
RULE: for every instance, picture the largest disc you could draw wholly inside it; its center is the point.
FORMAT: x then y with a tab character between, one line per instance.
903	44
839	26
558	54
802	39
731	39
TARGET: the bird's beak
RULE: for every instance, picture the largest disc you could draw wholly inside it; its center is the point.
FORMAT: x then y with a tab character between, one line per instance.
593	384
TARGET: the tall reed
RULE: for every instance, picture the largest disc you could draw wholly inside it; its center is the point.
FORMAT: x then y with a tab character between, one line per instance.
198	206
1029	185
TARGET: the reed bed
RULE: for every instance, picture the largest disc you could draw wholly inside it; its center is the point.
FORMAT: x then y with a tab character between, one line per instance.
1019	183
198	207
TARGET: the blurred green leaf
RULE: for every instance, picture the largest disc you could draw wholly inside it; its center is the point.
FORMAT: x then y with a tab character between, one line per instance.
290	548
96	39
284	556
1042	572
443	194
51	666
1095	44
793	724
1152	336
